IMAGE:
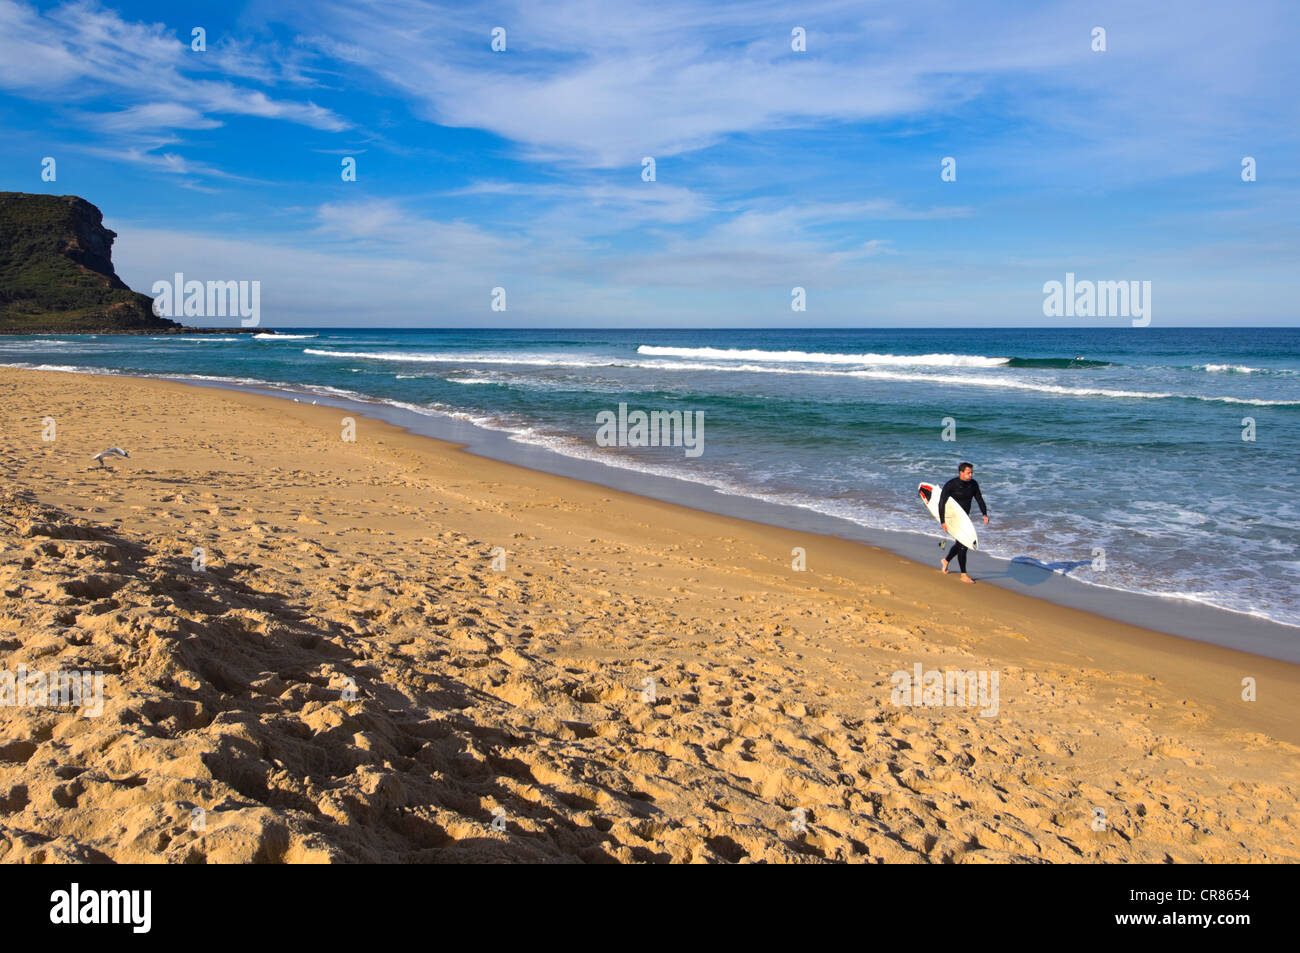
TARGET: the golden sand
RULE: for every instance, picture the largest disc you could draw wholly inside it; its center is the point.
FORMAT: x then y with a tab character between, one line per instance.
640	682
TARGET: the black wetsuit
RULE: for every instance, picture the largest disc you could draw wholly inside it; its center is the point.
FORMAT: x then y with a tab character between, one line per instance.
963	491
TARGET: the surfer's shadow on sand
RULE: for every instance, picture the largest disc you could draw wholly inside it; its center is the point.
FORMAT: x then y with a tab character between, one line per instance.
1029	571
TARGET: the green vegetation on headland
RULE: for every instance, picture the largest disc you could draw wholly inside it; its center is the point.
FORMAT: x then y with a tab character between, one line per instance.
56	272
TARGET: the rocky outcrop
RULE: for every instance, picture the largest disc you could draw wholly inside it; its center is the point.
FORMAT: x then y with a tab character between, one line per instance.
56	271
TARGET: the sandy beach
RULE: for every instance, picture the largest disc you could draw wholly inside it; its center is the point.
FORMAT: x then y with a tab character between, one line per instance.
317	649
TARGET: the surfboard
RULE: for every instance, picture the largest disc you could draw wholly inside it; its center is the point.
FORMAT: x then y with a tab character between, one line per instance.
960	526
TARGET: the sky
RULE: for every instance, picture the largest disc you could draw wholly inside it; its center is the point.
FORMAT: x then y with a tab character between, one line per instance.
774	168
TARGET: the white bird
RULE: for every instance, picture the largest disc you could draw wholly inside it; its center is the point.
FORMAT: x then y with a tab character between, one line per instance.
110	452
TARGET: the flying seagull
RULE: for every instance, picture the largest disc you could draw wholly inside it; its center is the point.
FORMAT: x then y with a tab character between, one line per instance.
110	452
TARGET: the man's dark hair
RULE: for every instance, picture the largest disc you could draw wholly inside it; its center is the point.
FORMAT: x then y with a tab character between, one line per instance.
965	466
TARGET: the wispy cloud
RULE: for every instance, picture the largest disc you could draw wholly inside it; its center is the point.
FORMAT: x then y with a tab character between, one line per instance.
150	117
605	85
81	53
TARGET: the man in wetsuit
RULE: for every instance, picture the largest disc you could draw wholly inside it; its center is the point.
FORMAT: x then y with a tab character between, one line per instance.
963	489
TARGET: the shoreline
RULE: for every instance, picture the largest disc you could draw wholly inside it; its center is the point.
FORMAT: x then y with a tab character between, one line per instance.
1170	614
378	413
367	567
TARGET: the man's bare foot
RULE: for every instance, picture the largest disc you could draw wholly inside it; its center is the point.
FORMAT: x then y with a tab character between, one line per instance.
966	578
943	566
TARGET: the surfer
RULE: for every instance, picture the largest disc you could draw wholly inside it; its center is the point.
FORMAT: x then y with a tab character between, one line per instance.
963	489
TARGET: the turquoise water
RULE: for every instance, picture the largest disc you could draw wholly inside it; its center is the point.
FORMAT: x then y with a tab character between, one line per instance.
1127	441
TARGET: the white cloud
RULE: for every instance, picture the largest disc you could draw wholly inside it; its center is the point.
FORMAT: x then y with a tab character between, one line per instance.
387	228
603	85
149	117
81	52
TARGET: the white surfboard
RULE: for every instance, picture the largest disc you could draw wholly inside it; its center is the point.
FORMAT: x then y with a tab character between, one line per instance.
960	526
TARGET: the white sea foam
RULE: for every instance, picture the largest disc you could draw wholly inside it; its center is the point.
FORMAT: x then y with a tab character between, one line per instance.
995	381
1243	369
1003	382
1227	368
815	357
215	378
423	357
269	336
62	368
115	372
1014	383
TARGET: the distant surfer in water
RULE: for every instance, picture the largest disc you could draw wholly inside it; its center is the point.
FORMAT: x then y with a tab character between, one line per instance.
963	489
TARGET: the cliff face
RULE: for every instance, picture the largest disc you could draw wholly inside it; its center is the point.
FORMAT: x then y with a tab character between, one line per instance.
56	270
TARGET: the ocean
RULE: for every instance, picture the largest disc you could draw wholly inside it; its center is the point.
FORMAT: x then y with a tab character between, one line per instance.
1155	460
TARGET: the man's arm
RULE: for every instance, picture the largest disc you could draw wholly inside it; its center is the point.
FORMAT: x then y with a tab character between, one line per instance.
979	498
943	501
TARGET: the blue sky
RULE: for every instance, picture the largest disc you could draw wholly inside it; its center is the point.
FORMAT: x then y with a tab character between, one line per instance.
775	168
